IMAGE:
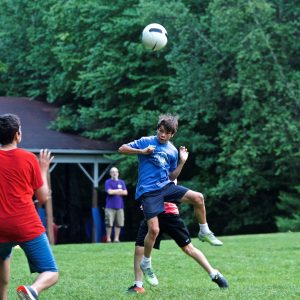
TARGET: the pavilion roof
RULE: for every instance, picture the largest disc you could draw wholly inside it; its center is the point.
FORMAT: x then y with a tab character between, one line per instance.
36	118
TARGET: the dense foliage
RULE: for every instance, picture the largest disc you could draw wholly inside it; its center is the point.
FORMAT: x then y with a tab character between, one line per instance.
230	71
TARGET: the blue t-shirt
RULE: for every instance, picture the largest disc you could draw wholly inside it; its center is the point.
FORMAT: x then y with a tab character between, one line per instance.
154	168
114	201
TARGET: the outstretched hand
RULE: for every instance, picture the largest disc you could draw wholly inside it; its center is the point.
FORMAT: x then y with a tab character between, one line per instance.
183	153
45	159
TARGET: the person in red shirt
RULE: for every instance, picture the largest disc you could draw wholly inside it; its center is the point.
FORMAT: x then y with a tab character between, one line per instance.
171	223
22	175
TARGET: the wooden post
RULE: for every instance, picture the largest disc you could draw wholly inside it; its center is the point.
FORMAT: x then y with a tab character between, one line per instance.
49	214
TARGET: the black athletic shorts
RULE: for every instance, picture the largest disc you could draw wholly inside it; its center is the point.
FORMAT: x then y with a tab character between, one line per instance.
169	224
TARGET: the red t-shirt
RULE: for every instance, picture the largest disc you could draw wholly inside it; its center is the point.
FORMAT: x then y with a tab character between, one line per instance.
20	176
171	208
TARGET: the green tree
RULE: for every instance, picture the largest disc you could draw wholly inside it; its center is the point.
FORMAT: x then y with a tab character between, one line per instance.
24	47
288	218
239	91
230	71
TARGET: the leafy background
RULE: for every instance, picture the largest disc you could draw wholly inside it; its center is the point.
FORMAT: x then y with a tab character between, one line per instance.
230	71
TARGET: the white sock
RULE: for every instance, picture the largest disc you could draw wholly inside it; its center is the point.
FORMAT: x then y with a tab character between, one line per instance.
146	261
139	284
34	290
213	274
204	228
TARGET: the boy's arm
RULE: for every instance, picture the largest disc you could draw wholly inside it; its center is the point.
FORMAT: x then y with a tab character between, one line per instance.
45	159
126	149
183	156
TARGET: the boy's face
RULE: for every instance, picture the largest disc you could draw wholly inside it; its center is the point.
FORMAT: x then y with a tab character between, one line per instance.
163	135
19	135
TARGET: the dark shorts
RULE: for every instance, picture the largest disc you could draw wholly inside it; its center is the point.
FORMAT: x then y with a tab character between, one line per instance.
38	252
153	202
169	224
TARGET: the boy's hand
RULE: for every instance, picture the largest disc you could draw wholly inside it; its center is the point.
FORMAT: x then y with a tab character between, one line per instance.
149	149
183	153
45	159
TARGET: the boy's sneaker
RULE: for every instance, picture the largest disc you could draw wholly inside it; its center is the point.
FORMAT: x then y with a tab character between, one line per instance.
221	281
210	238
149	275
135	290
25	292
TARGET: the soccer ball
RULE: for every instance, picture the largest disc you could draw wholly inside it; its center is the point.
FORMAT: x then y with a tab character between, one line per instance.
154	37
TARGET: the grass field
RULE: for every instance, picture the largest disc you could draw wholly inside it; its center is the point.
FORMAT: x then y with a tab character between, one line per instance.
265	266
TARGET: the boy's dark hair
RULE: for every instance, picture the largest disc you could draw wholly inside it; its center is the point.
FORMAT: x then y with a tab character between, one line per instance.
169	122
9	126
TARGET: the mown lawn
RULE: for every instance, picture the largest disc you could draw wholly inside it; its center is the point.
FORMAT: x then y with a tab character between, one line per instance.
265	266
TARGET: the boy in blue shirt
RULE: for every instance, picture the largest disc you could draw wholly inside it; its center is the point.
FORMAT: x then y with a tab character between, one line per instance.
158	168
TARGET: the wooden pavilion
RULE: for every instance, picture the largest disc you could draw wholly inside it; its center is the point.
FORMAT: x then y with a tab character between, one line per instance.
36	118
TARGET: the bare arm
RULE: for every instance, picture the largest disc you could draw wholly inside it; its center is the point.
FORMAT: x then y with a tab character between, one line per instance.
117	192
183	156
125	149
45	159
